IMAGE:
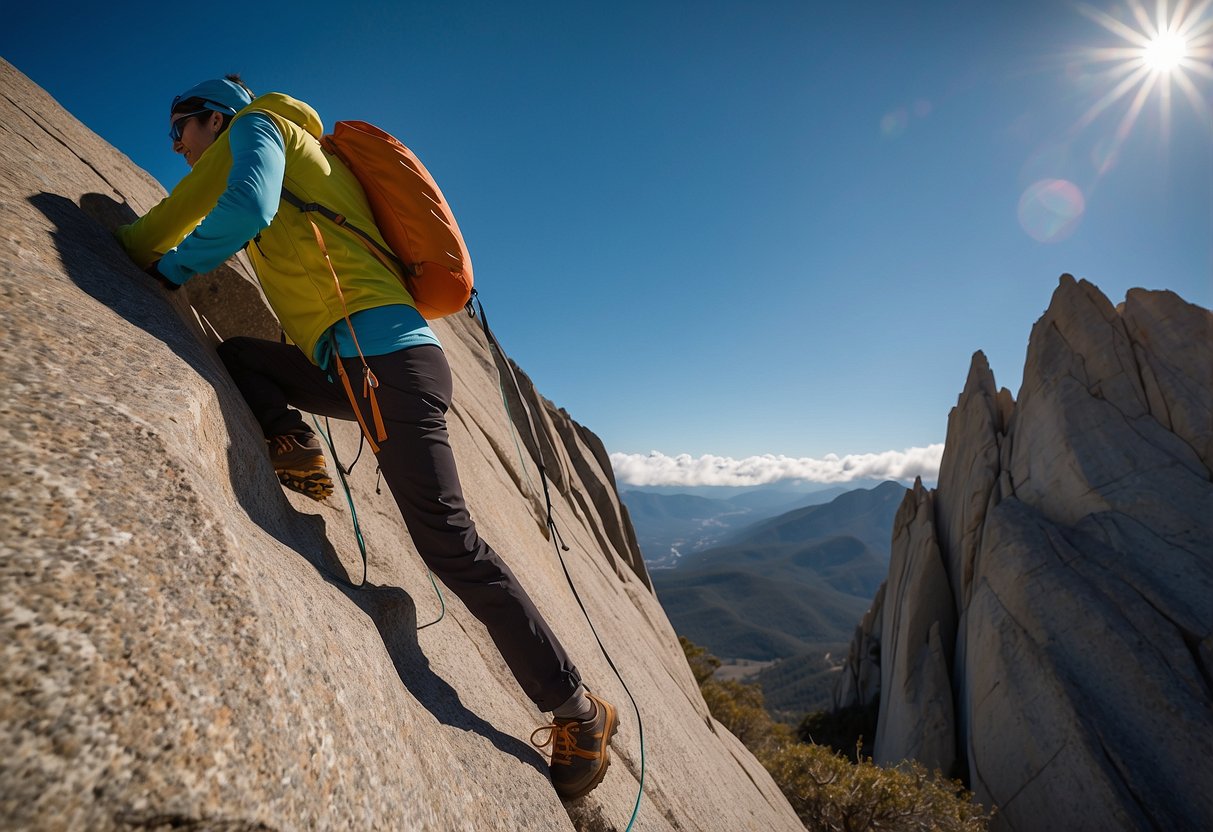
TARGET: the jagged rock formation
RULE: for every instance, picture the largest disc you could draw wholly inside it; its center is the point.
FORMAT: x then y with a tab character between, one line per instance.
1047	626
859	681
174	653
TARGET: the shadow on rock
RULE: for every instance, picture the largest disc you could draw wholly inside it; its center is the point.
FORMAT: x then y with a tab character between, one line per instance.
96	263
395	616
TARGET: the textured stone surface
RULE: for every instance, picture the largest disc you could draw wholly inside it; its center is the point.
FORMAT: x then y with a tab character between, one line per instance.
1075	526
916	719
1173	343
175	653
859	682
969	467
1085	441
1091	686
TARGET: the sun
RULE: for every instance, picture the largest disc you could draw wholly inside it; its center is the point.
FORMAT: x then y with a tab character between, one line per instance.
1168	49
1165	51
1157	53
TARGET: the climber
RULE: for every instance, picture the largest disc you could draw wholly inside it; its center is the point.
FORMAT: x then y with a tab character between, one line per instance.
240	152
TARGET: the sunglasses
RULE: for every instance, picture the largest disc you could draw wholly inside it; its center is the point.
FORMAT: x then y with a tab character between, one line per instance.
177	127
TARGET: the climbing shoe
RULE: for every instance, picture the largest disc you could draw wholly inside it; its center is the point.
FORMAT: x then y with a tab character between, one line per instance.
299	464
580	755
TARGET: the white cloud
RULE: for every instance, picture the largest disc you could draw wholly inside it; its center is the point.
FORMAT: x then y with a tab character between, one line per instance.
655	468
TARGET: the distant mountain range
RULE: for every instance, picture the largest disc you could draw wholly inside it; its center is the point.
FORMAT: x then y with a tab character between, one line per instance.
785	584
863	514
674	523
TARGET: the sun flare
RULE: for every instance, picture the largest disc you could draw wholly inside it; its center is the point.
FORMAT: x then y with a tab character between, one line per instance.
1159	52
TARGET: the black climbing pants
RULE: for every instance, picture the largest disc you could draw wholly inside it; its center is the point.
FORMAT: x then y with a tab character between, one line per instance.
414	394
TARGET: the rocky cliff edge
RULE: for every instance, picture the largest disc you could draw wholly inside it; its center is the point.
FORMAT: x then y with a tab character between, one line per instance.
1046	630
175	654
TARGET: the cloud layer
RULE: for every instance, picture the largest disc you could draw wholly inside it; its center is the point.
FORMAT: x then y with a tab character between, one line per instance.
655	468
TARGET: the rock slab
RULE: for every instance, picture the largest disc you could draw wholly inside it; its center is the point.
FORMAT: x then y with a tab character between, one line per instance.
176	651
1075	531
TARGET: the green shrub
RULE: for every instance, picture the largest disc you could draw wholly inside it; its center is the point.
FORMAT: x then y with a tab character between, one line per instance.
703	664
828	791
832	794
738	706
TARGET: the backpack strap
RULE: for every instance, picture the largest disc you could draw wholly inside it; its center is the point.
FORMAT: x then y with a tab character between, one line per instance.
389	261
369	382
385	255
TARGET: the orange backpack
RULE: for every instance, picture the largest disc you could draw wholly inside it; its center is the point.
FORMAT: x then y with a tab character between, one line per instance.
411	214
426	251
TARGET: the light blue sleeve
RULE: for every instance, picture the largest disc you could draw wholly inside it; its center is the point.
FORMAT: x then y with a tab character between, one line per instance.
254	188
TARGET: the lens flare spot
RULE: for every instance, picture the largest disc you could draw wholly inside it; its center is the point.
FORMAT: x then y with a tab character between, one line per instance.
1051	209
895	123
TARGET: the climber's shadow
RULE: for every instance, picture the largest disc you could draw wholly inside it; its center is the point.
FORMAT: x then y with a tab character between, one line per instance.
395	616
95	262
97	265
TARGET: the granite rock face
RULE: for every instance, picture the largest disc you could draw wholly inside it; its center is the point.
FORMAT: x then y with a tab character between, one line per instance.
175	652
1070	552
915	718
859	683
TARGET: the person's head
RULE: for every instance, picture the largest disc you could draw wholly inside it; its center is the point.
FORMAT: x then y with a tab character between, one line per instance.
200	114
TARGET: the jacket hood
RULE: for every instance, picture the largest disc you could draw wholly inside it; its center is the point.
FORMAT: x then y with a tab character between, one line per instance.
291	109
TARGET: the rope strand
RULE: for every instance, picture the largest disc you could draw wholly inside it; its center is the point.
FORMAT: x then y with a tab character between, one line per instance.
349	497
558	543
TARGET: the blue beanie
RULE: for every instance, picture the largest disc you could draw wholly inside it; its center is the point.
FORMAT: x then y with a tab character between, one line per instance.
218	94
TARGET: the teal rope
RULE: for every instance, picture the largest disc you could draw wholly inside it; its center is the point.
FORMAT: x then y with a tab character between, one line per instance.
441	601
640	791
349	498
555	534
602	647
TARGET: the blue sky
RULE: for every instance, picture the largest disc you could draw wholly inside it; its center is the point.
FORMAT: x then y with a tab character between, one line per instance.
727	229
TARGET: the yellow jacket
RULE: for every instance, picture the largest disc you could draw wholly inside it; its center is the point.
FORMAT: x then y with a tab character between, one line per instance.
286	257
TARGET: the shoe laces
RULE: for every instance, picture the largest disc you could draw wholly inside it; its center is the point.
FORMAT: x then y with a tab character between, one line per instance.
283	444
562	737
